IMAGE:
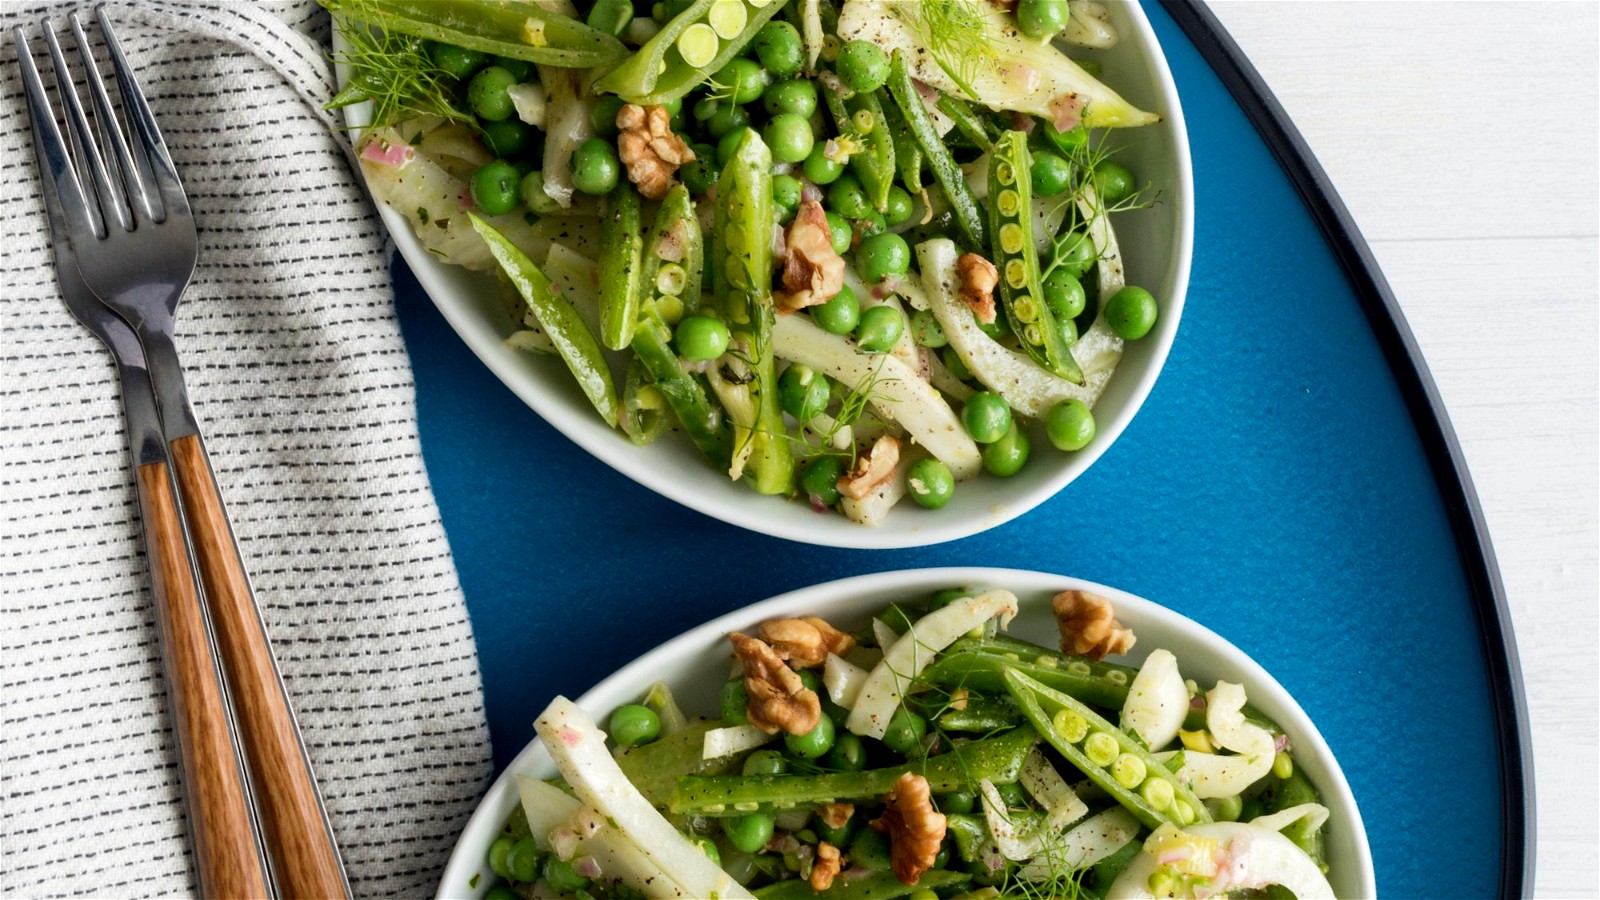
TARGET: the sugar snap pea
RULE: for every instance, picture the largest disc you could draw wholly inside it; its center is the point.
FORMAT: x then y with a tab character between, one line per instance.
621	258
1295	790
1111	758
1017	258
573	340
963	205
690	48
907	152
520	29
967	122
643	415
860	117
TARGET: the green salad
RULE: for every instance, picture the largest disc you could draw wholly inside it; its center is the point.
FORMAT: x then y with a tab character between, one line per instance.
929	755
853	252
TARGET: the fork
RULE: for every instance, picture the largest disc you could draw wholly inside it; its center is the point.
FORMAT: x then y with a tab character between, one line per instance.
136	246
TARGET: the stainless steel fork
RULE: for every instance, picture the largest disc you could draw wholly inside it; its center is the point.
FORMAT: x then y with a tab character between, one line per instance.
128	224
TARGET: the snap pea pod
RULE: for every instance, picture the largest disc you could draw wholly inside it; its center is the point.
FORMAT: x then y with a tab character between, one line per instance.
980	716
516	28
644	409
742	281
967	121
573	340
677	225
877	886
1109	756
963	205
998	759
1294	791
621	258
907	152
688	50
610	16
873	163
970	833
1017	258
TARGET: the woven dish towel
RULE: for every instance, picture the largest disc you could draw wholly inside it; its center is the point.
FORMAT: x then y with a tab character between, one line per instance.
301	382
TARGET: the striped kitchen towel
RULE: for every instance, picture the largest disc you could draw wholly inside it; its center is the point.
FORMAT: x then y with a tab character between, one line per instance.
296	367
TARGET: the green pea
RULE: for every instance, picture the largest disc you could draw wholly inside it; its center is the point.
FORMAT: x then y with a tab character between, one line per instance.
701	174
883	255
870	224
765	762
727	117
848	753
595	167
743	77
1113	182
701	338
802	392
785	196
1012	795
1077	255
930	483
798	96
507	139
869	849
819	168
522	862
1226	809
839	837
1006	457
1131	313
999	328
486	94
952	361
840	233
880	327
1041	19
633	724
531	191
735	701
1069	425
904	731
848	198
1064	294
779	48
501	892
926	330
520	69
494	187
814	743
820	480
840	314
948	596
1051	174
986	417
789	137
749	833
956	802
862	66
709	848
900	206
562	877
603	115
497	856
457	62
729	144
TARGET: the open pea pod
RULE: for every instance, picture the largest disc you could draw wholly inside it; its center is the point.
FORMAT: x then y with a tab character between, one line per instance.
688	50
573	340
520	29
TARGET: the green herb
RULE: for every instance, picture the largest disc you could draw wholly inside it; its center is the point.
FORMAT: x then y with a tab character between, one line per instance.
953	32
395	73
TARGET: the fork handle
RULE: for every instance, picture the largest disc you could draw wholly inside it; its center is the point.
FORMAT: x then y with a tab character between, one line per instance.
227	859
304	852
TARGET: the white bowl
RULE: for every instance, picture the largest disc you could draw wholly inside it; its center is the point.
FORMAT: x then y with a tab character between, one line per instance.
1156	245
695	664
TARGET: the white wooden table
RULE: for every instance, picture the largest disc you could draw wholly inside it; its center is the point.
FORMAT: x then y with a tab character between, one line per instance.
1463	137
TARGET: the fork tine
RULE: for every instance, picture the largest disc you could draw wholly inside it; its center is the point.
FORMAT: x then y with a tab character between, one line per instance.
60	180
112	201
143	123
135	173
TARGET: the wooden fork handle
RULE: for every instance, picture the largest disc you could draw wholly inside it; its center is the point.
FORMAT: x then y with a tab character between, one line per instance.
227	859
304	852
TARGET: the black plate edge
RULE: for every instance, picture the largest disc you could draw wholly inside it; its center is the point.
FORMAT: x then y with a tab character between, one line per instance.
1427	412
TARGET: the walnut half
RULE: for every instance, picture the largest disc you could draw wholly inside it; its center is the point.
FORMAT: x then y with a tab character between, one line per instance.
914	827
825	867
872	469
978	280
779	700
805	642
1088	625
649	148
813	272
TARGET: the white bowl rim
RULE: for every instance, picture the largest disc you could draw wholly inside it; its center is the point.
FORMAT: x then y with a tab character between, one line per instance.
856	594
933	528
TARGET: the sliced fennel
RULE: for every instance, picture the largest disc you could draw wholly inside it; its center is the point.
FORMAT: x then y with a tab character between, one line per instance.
1157	701
562	824
1231	856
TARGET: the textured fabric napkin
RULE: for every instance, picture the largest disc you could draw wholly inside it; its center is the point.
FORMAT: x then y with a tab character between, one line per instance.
297	370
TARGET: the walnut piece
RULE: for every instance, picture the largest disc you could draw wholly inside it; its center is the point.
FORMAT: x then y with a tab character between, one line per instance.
978	280
779	700
872	469
825	867
914	827
812	272
836	814
1088	626
805	642
649	148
